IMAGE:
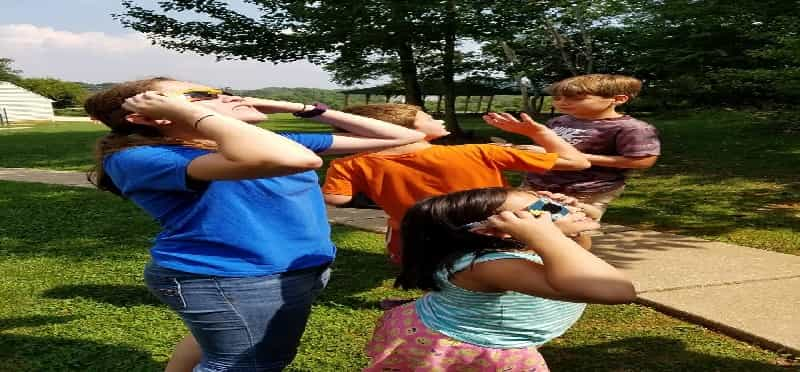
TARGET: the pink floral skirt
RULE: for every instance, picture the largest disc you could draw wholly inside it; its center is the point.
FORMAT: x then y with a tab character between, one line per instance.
401	342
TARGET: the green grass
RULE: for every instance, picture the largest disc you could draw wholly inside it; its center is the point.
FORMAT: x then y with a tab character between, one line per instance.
73	300
60	145
70	111
728	176
725	176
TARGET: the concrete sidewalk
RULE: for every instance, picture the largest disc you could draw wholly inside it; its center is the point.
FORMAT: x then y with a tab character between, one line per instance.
747	293
45	176
72	118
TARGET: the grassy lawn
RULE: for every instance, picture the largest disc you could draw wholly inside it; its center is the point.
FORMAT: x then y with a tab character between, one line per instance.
728	176
61	146
73	300
725	176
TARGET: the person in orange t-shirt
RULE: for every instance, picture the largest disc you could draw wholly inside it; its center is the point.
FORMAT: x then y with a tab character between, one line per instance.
398	177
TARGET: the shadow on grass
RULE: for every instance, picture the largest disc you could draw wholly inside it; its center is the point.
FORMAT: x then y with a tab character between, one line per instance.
73	223
82	224
26	353
702	207
355	272
33	321
719	145
625	253
115	294
645	354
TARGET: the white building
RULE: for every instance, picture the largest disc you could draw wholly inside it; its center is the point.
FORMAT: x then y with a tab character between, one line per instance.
20	104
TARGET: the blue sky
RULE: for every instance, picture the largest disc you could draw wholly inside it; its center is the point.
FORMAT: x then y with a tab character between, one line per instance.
77	40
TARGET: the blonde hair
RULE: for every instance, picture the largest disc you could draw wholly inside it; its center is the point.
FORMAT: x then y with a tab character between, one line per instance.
106	106
395	113
603	85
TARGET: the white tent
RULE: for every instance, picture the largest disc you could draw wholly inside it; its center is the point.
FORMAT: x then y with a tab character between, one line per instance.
18	104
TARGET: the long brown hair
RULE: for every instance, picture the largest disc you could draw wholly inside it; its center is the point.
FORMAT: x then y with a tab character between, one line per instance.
106	106
434	235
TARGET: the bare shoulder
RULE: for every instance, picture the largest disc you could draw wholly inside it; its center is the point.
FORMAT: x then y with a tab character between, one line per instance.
494	275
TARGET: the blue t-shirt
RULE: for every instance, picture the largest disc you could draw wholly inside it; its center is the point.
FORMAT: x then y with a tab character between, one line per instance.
247	227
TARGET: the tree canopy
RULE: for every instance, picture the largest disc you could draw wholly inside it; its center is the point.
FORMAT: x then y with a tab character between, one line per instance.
355	41
63	93
704	52
8	73
692	52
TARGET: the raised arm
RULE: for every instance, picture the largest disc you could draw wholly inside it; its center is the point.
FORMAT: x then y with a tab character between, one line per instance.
364	134
568	272
569	158
626	162
243	150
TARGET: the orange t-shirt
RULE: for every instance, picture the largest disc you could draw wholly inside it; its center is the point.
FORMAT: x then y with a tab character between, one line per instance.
396	182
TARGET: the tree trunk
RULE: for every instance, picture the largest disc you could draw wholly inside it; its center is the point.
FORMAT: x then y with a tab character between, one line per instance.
523	90
534	102
586	48
539	104
558	40
408	72
523	85
448	68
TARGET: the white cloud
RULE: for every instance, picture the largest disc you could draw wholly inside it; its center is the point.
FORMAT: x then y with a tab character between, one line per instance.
100	57
33	38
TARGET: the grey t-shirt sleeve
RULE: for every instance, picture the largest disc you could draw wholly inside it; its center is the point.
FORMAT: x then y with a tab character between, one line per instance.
638	140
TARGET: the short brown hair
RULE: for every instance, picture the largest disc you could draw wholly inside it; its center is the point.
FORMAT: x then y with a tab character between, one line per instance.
603	85
395	113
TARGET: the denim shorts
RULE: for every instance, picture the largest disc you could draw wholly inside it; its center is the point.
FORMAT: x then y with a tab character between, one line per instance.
243	323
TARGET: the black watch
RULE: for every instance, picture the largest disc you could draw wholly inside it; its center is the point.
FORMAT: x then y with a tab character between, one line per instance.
318	109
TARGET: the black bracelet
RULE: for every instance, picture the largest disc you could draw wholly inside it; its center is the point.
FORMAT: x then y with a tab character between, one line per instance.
201	119
318	109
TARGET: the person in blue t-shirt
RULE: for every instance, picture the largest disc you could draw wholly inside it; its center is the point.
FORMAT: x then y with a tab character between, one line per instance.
245	242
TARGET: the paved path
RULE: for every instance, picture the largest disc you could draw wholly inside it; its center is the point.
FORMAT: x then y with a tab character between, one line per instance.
72	118
44	176
744	292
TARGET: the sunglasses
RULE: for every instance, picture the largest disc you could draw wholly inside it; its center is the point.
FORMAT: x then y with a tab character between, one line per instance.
202	94
557	211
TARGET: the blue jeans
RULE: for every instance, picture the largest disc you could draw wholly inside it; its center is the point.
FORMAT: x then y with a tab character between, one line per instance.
245	323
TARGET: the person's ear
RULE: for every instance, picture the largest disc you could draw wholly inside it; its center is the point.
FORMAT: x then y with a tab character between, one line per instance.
621	99
144	120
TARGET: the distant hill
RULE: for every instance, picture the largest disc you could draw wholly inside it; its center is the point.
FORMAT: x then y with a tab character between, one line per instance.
308	95
304	95
95	87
